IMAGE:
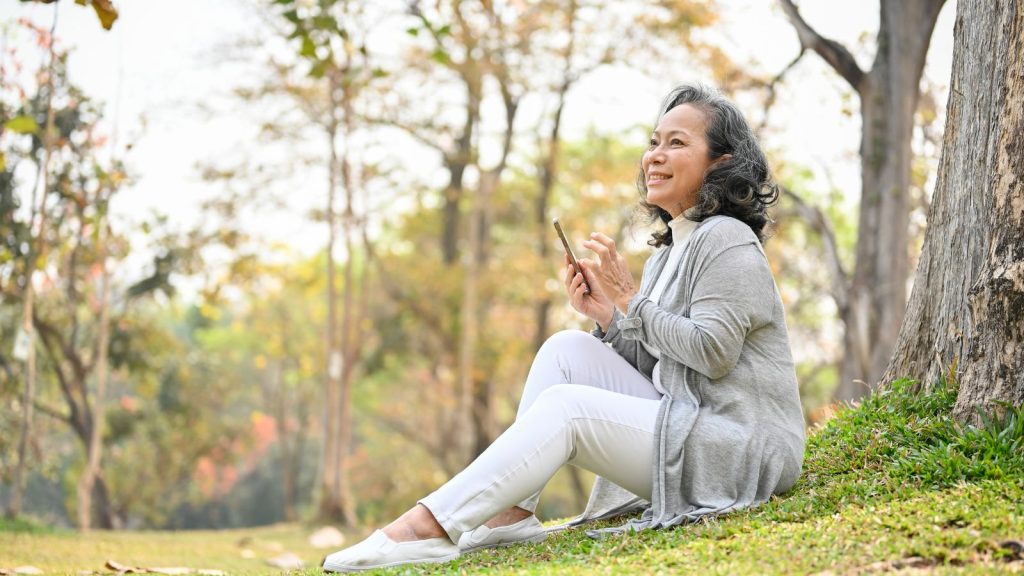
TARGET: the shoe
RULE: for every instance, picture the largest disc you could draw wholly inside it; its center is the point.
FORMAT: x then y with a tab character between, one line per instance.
526	530
379	551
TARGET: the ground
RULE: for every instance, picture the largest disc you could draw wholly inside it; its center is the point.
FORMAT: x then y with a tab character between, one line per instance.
894	485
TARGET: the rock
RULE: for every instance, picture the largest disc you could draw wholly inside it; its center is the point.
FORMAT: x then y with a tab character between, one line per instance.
327	537
286	561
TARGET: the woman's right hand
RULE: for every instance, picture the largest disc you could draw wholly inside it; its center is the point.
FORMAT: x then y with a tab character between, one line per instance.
597	305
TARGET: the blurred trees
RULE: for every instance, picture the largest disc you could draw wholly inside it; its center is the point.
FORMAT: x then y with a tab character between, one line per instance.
348	380
872	297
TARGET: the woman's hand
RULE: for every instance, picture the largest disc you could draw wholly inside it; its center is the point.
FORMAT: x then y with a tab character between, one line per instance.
610	271
596	305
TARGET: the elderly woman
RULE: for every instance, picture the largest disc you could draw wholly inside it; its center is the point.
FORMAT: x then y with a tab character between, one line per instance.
683	399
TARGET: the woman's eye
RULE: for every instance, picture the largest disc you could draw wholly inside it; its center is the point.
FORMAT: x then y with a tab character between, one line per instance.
653	143
677	142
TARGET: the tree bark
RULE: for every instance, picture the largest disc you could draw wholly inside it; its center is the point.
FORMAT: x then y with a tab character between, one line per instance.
965	319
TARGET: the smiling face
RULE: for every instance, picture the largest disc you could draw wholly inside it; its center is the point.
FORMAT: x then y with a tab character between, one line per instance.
675	162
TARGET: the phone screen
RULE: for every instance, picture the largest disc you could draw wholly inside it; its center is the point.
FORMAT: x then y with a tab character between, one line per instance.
572	257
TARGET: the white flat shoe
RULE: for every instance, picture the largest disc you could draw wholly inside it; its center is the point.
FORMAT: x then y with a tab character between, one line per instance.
379	551
526	530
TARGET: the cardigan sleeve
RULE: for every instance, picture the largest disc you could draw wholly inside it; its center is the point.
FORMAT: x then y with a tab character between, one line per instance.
732	295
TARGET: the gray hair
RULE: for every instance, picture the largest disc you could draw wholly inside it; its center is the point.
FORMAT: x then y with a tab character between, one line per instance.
740	186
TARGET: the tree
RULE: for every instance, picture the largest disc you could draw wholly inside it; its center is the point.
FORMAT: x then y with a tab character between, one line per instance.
871	300
965	319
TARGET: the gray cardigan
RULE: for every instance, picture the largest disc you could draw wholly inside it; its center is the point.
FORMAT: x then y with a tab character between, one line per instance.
730	430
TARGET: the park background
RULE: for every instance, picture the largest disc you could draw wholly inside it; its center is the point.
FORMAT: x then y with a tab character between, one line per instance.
295	255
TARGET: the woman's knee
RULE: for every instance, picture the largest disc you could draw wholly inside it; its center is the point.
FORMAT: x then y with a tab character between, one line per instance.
566	339
562	401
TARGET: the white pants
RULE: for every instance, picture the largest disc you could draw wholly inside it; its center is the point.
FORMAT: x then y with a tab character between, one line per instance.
583	404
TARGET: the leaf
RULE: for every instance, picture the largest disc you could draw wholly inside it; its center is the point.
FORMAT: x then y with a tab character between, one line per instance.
308	49
440	56
105	11
319	69
22	125
3	162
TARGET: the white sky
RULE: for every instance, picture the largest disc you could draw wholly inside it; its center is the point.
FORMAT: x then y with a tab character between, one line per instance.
162	64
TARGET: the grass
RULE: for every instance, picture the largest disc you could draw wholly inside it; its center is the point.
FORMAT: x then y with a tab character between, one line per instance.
894	484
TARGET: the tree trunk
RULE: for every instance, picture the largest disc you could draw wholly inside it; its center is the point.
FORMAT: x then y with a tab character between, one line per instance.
349	343
94	445
965	319
888	97
330	507
457	163
28	326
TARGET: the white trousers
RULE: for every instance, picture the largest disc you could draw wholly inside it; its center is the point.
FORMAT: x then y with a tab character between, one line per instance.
583	404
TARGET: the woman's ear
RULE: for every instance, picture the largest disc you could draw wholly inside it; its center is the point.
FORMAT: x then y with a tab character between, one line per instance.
722	158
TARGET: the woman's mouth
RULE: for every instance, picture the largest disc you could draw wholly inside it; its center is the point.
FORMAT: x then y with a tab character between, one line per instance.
655	179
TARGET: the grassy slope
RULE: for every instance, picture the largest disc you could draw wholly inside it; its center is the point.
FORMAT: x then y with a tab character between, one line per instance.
890	481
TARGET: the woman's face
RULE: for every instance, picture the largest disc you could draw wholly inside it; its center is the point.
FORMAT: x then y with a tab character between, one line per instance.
676	160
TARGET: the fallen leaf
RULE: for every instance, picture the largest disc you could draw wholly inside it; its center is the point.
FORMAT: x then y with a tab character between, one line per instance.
171	570
27	570
211	572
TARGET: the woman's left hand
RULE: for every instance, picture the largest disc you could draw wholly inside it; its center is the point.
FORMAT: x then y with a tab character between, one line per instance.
611	270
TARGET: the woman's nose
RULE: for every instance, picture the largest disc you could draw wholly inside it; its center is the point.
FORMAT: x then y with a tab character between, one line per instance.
654	156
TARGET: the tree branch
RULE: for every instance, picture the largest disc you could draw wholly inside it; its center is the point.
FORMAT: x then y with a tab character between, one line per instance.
770	101
52	412
831	51
817	220
46	334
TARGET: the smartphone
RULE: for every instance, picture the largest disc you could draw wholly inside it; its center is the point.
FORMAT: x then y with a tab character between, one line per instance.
572	257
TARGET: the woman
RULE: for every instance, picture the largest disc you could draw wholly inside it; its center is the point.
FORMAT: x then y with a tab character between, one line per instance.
683	399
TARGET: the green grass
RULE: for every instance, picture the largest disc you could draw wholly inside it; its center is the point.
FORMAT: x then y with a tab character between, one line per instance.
894	482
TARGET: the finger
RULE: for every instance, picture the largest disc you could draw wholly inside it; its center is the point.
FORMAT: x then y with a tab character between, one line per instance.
604	239
598	248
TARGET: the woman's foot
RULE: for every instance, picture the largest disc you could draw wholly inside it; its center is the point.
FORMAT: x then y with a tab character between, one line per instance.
513	526
415	537
416	524
511	516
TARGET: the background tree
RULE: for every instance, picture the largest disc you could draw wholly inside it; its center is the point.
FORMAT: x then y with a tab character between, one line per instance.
871	299
965	320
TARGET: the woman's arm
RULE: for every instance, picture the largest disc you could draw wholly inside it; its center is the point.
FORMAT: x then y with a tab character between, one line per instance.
733	295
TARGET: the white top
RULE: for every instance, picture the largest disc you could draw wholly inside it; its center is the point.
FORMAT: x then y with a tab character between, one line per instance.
681	230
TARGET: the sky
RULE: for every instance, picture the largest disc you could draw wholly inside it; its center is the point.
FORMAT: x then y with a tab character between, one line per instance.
166	82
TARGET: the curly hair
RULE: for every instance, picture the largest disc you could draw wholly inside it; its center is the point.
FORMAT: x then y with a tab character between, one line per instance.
740	186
